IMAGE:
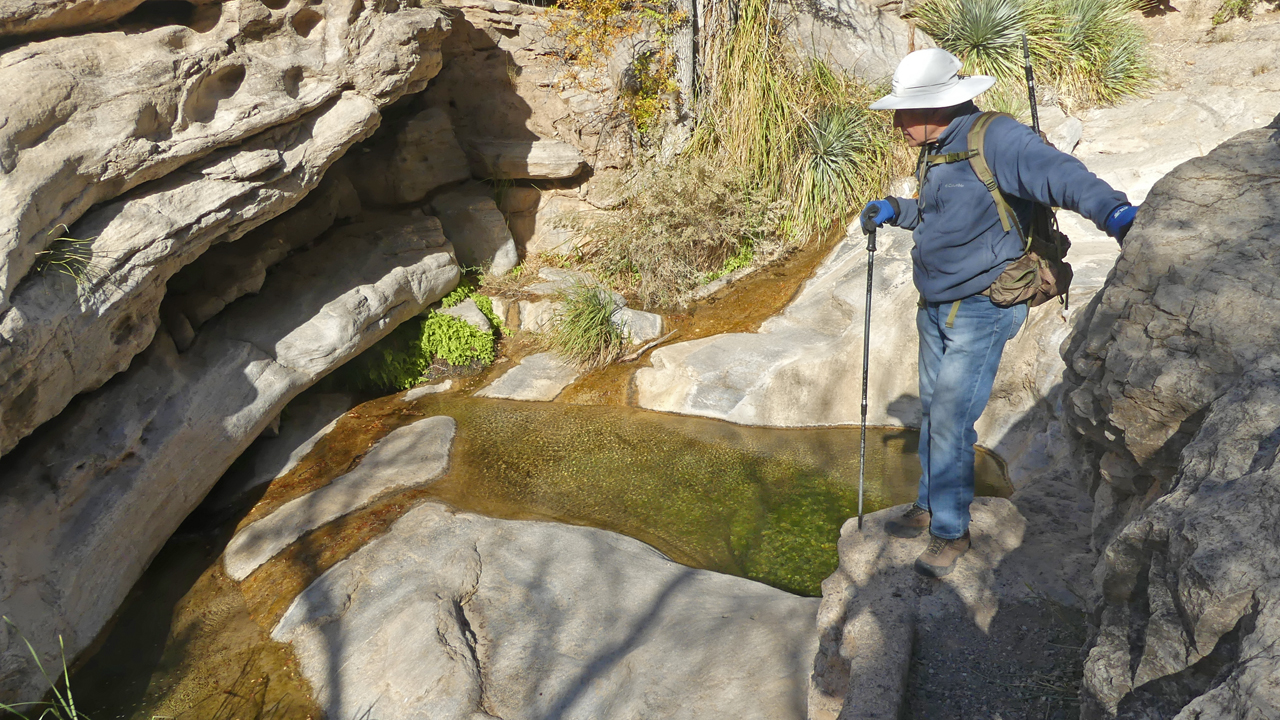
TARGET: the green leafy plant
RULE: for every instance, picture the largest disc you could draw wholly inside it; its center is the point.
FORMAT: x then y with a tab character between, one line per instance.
455	340
1090	51
583	329
63	706
745	256
396	362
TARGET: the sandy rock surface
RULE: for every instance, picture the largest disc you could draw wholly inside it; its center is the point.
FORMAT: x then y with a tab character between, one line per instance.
96	493
1173	379
453	615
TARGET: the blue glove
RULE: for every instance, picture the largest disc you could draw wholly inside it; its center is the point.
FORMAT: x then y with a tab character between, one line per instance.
1120	220
877	213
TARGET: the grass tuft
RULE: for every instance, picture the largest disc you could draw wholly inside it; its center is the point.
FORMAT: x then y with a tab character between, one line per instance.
63	705
583	331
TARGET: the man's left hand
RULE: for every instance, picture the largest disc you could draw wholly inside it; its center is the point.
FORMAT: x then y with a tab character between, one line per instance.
1120	220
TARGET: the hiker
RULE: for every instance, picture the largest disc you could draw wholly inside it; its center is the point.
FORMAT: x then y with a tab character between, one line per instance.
961	248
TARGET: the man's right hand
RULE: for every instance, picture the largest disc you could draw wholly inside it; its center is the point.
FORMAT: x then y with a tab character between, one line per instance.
877	213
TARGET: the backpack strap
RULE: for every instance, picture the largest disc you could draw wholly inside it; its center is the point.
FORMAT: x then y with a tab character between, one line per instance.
977	138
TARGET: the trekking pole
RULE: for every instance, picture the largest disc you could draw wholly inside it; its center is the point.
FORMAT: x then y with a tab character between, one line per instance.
866	362
1031	84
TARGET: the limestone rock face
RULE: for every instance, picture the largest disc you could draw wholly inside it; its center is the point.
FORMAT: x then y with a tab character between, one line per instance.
1175	379
98	114
453	615
524	160
422	155
215	129
864	37
96	492
22	17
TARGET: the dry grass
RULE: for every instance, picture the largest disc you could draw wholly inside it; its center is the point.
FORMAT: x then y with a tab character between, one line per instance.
679	224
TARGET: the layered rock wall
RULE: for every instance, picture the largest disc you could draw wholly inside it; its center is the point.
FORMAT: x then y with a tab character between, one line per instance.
1173	378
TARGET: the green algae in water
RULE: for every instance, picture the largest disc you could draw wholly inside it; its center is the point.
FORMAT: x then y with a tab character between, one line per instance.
762	503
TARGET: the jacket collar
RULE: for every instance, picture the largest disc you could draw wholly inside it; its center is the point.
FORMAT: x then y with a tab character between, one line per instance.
958	128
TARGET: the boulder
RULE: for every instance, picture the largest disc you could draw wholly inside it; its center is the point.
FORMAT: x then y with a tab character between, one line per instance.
475	226
519	205
538	377
413	455
1173	380
97	114
536	316
875	606
454	615
468	311
98	491
864	37
422	391
637	326
420	157
25	17
554	225
498	159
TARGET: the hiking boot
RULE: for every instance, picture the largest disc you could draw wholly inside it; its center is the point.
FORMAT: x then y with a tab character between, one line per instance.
940	557
910	523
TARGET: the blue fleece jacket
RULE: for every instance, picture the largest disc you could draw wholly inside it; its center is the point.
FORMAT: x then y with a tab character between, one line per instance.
960	247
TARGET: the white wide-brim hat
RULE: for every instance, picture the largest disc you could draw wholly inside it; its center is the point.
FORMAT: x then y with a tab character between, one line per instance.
931	79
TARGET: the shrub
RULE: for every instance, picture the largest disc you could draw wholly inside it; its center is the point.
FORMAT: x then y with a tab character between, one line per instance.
1231	9
678	224
1089	51
583	330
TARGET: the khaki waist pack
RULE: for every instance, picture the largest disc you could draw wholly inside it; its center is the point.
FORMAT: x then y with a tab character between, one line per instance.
1042	273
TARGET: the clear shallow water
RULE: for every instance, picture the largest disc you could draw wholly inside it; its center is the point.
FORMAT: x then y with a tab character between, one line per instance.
763	503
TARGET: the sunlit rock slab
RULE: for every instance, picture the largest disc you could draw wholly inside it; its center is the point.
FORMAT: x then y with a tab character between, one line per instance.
875	606
413	455
539	377
454	615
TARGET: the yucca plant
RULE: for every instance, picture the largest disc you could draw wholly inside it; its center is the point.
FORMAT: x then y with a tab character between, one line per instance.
1089	50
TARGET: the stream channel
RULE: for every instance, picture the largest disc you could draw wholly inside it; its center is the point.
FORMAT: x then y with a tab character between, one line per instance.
762	503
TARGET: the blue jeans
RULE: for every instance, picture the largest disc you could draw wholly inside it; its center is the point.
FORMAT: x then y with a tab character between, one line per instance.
957	369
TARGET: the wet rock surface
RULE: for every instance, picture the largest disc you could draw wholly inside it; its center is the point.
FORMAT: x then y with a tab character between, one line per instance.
412	455
530	620
538	377
1173	380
